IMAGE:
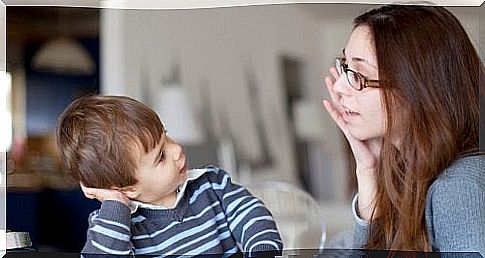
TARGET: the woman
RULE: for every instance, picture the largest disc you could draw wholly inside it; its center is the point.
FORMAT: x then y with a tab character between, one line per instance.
405	94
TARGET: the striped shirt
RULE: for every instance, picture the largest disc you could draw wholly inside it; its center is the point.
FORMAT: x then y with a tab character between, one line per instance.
214	216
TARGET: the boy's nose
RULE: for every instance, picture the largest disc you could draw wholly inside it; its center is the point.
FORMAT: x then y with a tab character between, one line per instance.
177	151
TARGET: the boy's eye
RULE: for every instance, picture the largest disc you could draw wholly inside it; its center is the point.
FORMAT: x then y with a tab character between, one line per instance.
162	157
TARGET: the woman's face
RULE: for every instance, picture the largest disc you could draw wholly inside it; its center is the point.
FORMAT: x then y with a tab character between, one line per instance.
362	110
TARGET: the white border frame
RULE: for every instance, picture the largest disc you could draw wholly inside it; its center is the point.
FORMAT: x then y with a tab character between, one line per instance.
150	4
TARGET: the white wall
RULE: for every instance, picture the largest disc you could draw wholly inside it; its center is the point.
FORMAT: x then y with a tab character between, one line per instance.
214	46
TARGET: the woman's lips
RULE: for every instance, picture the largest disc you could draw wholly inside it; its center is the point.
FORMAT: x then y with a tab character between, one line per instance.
347	113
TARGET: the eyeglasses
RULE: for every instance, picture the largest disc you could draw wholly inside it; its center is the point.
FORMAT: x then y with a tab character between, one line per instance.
355	79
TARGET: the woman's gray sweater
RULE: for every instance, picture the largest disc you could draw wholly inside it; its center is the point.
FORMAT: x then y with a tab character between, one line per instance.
455	209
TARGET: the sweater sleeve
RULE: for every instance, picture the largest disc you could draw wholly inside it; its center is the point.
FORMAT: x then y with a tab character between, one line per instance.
109	231
456	214
251	224
361	227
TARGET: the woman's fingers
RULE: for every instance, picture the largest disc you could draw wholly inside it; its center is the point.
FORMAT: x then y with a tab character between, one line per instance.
337	117
329	83
362	153
335	114
334	72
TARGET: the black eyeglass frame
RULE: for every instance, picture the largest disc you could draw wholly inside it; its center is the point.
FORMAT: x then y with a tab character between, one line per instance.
365	82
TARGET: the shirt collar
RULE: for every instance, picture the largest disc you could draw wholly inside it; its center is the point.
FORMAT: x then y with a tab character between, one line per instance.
191	175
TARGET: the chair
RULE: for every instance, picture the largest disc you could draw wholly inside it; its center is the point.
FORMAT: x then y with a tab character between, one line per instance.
297	215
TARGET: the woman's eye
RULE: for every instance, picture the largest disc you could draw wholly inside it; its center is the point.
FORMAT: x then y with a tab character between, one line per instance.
355	78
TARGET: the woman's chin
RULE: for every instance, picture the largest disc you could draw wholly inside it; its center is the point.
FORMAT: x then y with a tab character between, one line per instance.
361	135
358	134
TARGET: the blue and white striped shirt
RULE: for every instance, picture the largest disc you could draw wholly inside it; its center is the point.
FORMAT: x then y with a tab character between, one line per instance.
214	216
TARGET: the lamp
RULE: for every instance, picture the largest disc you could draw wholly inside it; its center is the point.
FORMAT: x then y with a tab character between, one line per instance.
63	56
175	110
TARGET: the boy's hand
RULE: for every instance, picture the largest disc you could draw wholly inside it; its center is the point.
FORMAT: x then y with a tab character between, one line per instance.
104	194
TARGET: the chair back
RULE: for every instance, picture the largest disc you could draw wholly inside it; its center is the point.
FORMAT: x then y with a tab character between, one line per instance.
297	214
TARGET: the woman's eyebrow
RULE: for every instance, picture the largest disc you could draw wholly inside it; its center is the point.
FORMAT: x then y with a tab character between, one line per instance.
357	59
362	60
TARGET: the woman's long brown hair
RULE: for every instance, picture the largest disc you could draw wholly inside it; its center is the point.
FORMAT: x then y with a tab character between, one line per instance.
430	73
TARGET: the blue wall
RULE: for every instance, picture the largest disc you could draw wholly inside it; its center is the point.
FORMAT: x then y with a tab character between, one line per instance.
53	218
48	94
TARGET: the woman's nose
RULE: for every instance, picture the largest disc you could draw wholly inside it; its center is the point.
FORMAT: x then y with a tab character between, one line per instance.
342	86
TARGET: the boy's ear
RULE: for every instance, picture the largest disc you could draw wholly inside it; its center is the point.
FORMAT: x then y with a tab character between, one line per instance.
130	191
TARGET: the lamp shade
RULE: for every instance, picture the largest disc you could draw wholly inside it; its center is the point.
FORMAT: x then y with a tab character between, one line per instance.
63	56
175	111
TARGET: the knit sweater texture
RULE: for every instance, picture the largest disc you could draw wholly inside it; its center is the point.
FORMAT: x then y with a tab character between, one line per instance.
454	212
214	216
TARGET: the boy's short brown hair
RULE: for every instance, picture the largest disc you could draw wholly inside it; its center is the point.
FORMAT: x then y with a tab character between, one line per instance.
96	136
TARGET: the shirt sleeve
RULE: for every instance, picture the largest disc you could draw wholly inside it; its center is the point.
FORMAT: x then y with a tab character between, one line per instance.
109	231
251	224
361	227
456	214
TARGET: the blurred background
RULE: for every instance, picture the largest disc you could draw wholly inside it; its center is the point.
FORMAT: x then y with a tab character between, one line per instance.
238	87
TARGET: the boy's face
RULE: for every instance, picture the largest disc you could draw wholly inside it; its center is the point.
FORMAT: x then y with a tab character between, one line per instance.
159	172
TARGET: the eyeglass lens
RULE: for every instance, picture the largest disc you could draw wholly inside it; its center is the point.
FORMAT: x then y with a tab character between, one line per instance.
352	77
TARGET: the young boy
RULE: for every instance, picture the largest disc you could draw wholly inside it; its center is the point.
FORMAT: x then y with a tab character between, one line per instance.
118	149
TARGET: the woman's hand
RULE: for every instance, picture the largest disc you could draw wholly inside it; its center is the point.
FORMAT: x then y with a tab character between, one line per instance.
104	194
366	153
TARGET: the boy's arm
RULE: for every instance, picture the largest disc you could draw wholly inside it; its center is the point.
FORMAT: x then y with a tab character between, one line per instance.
251	224
109	230
109	227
